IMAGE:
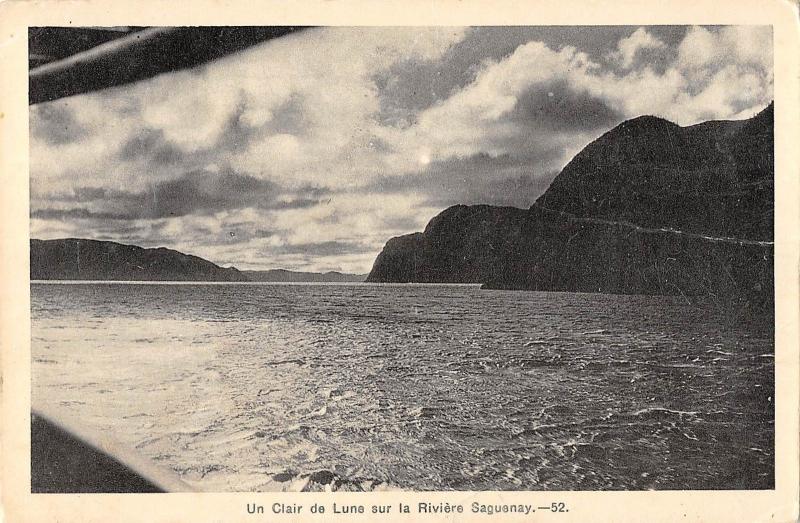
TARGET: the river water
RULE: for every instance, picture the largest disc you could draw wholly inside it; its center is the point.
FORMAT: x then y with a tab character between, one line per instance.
264	387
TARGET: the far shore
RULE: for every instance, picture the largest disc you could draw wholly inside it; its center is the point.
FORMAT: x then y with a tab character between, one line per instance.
306	283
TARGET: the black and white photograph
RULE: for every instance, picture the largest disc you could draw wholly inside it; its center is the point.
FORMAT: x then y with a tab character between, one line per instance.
403	259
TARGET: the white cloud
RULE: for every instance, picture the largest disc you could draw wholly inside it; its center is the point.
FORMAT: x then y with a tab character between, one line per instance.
627	48
473	120
704	52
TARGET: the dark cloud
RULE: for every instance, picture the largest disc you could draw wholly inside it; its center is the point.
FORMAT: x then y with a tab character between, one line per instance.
659	59
515	180
79	213
239	131
126	229
555	107
150	144
265	233
144	234
203	191
313	191
90	193
298	203
412	85
76	194
289	117
236	136
401	223
230	234
196	192
380	146
55	123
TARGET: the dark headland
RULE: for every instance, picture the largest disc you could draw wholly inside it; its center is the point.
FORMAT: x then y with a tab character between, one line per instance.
81	259
648	208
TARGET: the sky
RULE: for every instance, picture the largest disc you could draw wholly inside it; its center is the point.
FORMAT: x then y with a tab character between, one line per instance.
310	151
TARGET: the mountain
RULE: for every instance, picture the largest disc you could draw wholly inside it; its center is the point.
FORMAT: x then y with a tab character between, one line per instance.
712	178
78	259
650	207
282	275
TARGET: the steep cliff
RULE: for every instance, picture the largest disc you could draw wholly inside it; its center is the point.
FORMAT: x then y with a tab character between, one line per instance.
713	178
648	208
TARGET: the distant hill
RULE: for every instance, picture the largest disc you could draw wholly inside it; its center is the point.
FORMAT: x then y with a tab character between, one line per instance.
79	259
283	275
649	208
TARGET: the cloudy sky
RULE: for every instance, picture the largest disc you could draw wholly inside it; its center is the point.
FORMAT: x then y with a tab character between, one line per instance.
308	152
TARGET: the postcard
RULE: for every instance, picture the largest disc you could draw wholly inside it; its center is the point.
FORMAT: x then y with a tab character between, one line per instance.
400	261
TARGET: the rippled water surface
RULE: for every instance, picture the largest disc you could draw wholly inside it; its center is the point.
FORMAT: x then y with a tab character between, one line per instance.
361	387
